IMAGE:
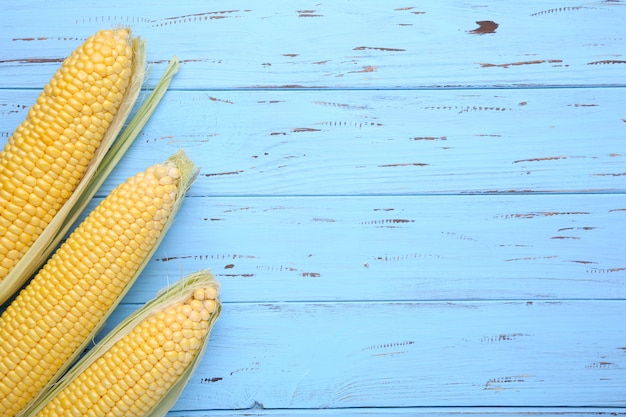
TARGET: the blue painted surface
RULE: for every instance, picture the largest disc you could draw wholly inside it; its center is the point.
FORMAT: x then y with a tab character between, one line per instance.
410	212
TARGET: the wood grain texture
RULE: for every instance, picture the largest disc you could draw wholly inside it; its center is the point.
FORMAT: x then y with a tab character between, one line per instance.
343	44
413	208
412	354
398	248
414	411
383	142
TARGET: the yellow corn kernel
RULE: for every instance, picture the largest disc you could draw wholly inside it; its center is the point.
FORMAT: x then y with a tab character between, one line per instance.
119	380
93	286
49	152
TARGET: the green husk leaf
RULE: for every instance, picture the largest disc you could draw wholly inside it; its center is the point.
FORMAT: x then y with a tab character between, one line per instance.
178	292
106	158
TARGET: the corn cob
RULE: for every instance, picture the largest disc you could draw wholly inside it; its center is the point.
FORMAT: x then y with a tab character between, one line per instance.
56	149
140	368
59	311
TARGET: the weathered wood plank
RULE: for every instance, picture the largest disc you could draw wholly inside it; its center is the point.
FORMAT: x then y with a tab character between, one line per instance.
339	142
382	142
398	248
415	411
412	354
391	44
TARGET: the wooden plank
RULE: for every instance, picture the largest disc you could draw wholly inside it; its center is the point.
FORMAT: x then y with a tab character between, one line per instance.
403	411
412	354
382	142
398	248
341	44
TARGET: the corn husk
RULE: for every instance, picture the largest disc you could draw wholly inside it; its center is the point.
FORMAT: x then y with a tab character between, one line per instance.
179	292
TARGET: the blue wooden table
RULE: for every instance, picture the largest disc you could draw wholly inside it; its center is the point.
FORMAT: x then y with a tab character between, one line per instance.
412	207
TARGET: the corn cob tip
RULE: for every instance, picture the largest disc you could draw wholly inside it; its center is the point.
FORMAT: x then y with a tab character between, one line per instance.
188	169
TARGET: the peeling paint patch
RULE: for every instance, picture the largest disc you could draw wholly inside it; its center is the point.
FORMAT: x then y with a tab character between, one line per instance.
354	124
548	158
484	27
342	105
502	337
388	221
236	275
558	10
185	61
205	257
410	9
405	164
618	174
605	270
305	129
375	48
389	345
520	63
223	173
367	68
389	353
308	13
221	100
12	108
607	62
467	109
31	39
405	257
459	236
210	380
601	365
542	214
502	383
577	228
196	17
531	258
109	19
32	60
430	138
